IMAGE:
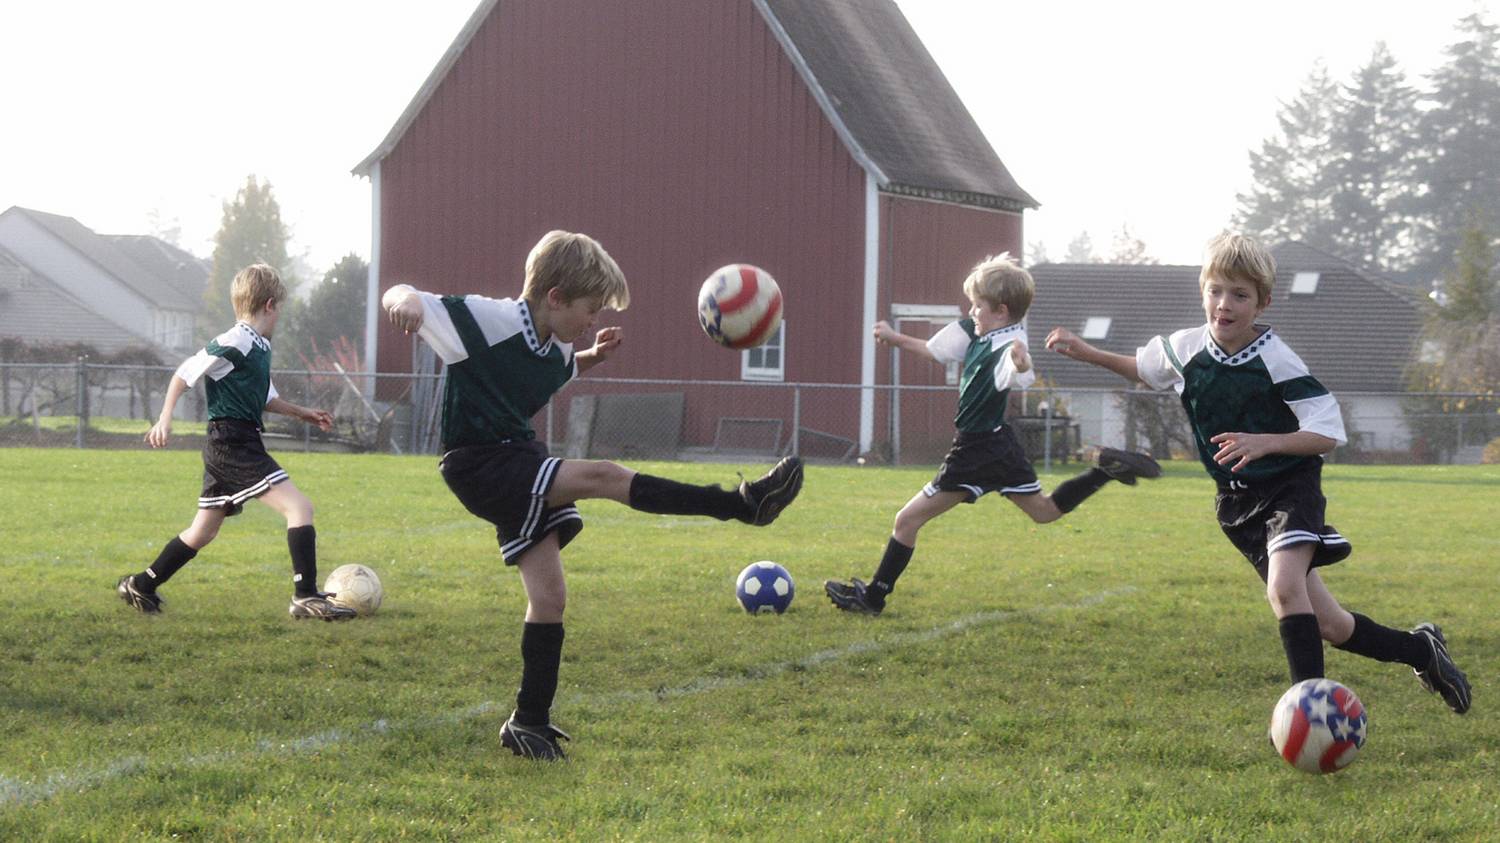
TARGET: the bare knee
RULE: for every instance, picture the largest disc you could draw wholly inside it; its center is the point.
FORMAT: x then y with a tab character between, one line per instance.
546	606
198	537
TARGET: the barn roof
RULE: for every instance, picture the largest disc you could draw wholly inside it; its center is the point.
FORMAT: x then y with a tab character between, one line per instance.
1356	333
873	79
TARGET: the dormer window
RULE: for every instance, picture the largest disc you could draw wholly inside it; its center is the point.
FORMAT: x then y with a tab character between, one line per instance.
1305	282
1096	328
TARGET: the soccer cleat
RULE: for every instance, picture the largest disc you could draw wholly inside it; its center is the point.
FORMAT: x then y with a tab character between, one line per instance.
538	743
769	495
319	606
1126	466
147	602
1442	676
852	596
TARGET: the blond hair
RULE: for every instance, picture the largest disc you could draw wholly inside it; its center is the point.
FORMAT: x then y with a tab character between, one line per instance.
999	280
253	288
577	267
1239	257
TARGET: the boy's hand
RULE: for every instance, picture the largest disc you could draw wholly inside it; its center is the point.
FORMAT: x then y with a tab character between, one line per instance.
156	437
1067	343
1243	448
405	311
606	340
322	418
884	333
1020	356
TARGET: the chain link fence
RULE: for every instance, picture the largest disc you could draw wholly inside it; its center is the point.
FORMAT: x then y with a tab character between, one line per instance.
85	405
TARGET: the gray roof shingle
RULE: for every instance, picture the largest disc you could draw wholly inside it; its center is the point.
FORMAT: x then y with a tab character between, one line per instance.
40	311
186	272
1355	333
103	253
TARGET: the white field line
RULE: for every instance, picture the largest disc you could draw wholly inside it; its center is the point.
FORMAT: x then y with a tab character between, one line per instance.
14	792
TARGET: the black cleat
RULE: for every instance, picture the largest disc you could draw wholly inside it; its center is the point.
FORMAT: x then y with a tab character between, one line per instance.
538	743
1126	466
1442	676
147	602
852	596
769	495
319	606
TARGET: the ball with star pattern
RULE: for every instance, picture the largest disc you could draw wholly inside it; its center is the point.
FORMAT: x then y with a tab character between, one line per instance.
1318	726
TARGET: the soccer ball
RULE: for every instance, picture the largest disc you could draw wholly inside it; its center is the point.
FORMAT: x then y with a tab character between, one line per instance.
356	587
739	306
764	587
1318	726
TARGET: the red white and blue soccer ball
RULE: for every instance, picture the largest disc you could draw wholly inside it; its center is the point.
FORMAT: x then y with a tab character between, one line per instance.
764	587
1318	726
739	306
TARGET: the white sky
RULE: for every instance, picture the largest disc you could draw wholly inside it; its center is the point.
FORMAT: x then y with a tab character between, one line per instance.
1109	113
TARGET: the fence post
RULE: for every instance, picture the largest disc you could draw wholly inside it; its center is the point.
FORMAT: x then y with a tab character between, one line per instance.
306	396
796	421
1047	434
81	399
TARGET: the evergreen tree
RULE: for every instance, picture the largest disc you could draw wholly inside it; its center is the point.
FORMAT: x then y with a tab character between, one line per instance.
335	310
1460	135
251	232
1292	173
1373	175
1081	250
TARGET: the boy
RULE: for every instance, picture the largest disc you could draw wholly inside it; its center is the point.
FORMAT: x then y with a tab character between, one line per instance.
506	358
1262	424
985	457
236	467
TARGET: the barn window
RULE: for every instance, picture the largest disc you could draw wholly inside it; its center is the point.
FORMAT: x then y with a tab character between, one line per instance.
1305	282
766	362
1096	327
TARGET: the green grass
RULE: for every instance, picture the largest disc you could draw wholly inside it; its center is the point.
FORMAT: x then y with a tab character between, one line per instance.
1106	677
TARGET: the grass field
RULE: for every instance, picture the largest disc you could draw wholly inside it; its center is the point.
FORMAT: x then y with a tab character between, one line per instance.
1106	677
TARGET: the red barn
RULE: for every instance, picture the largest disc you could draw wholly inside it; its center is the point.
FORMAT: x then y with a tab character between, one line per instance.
815	138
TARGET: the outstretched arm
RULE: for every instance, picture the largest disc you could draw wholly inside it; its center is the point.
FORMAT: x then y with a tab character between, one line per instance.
404	307
1244	448
1067	343
322	418
157	436
886	335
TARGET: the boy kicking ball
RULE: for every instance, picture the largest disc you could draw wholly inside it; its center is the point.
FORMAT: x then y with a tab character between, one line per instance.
236	366
1262	423
506	358
985	457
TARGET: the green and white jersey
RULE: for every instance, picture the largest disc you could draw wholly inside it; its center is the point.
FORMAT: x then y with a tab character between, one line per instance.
499	373
1263	388
237	364
988	372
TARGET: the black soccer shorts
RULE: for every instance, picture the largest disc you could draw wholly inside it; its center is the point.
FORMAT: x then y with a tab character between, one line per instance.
979	463
506	484
1278	512
236	466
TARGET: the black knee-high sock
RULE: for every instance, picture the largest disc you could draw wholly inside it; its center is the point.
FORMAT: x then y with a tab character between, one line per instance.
1382	643
1304	646
892	563
669	497
1073	491
303	543
168	562
541	653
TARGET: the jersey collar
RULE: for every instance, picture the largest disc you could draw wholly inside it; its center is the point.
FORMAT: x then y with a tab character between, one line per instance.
528	327
1016	328
1243	355
261	342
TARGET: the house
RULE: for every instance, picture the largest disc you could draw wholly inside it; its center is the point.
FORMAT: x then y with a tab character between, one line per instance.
817	139
1356	333
70	284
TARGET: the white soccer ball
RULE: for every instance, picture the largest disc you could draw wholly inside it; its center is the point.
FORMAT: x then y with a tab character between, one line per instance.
764	587
356	587
1318	726
739	306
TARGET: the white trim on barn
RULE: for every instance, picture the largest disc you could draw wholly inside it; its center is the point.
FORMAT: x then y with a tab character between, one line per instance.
868	312
372	280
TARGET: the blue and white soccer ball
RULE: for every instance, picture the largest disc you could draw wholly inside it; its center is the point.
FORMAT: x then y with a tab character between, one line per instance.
764	587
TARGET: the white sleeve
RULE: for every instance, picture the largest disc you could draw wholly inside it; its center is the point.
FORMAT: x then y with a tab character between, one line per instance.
194	368
1153	362
273	394
1320	415
1006	376
950	344
437	326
